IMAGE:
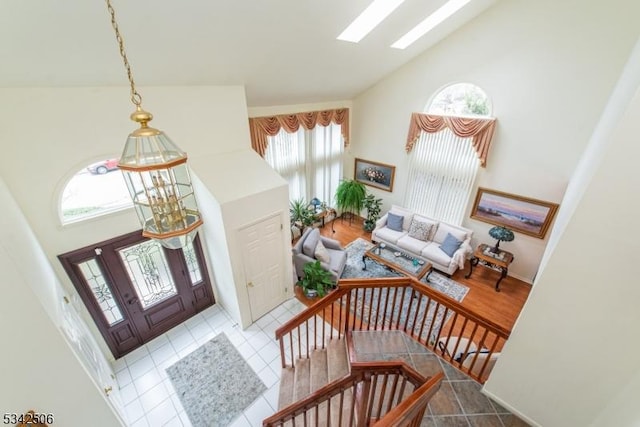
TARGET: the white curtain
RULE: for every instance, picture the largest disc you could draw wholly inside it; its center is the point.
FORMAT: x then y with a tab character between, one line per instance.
310	161
442	169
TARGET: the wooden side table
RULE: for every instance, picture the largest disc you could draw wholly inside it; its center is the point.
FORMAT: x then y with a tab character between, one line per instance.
499	261
324	213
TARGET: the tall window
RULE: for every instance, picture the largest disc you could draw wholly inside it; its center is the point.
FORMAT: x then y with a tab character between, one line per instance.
443	165
310	160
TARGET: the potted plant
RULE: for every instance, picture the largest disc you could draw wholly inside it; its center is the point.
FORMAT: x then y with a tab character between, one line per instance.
316	280
300	214
373	207
350	195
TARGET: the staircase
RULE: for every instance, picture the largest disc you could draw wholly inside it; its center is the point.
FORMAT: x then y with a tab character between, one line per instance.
324	384
309	375
324	366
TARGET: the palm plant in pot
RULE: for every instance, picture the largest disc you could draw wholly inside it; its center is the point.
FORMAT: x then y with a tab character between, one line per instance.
350	196
373	207
316	280
300	214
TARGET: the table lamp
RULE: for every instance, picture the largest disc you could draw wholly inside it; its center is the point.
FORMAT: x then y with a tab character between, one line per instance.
315	202
500	233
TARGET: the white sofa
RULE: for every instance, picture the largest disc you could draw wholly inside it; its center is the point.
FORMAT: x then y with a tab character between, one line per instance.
429	247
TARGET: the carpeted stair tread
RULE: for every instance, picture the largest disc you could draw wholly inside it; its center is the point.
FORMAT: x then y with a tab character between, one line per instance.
285	396
337	363
318	369
346	408
302	383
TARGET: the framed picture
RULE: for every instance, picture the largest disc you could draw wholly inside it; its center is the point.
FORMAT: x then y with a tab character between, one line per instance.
522	214
375	174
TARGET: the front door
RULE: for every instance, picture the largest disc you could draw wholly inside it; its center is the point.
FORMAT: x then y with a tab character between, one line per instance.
135	289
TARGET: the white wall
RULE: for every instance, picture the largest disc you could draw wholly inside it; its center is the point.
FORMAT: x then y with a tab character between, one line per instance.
246	190
575	347
39	371
617	104
622	410
48	134
548	66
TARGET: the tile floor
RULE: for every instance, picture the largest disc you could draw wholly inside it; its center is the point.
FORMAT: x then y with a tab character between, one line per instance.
150	399
147	393
458	403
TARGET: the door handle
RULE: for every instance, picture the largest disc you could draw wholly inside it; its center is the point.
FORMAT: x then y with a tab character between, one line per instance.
250	284
108	390
132	301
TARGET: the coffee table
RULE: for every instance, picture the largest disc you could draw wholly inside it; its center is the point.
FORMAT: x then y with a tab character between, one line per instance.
398	260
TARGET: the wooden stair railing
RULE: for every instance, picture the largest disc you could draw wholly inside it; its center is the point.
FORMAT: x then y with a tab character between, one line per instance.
377	389
400	303
410	412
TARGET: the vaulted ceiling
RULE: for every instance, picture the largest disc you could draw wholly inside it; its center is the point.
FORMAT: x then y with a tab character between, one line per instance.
283	51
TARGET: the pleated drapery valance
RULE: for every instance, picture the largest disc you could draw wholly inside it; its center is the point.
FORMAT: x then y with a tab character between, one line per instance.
480	129
261	127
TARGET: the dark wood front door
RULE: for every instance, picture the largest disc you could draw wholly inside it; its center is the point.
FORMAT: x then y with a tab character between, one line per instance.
135	289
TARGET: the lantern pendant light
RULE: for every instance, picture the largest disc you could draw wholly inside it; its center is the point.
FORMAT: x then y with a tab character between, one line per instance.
156	174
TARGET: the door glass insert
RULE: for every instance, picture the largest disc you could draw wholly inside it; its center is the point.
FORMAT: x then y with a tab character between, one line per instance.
192	263
149	272
101	291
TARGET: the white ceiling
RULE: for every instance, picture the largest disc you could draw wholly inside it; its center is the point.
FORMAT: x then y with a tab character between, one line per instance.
283	51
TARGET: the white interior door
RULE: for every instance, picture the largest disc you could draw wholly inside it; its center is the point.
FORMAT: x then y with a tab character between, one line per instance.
263	258
89	354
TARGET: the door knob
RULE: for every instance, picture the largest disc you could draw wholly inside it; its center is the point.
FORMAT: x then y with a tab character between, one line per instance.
108	390
250	284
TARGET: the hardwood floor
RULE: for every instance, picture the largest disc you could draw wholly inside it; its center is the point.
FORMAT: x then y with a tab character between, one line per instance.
501	307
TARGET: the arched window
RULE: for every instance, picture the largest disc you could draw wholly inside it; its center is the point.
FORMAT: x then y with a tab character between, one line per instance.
460	99
95	190
443	165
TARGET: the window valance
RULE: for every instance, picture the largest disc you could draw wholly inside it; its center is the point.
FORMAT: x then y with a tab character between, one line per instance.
480	129
261	127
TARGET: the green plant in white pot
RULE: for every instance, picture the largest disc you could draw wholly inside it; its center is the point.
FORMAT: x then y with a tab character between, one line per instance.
316	280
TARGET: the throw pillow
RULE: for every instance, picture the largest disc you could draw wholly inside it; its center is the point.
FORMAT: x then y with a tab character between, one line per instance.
419	229
450	245
394	221
310	242
321	253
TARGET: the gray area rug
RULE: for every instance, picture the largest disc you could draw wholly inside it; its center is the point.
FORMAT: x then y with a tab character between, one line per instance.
353	268
437	281
214	383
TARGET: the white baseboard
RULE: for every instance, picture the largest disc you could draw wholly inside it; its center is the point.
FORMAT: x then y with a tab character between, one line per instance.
526	280
511	409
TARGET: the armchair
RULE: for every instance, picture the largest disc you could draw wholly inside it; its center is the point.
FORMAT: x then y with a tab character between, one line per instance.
306	250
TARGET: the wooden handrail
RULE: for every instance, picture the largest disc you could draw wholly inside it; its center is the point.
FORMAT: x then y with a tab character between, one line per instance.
348	284
415	376
311	311
413	407
351	380
398	303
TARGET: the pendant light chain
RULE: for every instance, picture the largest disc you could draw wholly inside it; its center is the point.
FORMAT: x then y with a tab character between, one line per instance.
135	96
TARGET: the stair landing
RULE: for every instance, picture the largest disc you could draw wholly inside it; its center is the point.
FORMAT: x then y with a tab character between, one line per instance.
458	402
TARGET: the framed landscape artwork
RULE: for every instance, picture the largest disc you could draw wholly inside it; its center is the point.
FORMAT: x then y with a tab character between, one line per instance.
375	174
522	214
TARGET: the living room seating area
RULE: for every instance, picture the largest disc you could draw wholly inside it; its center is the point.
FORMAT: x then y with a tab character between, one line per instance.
312	246
444	245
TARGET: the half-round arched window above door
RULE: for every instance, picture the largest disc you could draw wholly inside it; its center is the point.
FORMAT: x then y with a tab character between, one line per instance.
460	99
94	190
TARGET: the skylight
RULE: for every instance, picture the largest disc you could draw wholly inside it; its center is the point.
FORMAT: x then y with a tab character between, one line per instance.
432	21
369	19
